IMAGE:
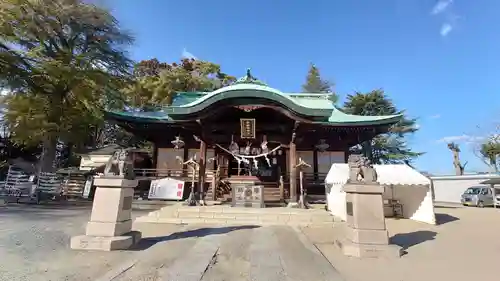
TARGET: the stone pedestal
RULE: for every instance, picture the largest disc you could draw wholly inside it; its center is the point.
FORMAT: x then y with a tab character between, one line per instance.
246	192
110	225
365	232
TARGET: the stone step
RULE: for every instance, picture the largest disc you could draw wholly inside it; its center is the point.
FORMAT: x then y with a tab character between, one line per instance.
225	215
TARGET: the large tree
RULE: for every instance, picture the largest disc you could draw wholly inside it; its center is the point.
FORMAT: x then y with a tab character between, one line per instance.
490	151
391	147
61	56
156	84
457	164
316	84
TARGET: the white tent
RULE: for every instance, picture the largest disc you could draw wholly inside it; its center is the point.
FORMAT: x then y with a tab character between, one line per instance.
401	182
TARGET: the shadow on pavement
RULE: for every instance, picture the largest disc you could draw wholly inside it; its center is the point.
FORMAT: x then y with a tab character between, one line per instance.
145	243
447	207
445	218
407	240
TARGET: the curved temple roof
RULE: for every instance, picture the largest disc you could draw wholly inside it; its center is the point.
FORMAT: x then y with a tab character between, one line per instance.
316	106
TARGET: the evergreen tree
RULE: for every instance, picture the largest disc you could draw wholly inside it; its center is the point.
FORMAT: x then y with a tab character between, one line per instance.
55	58
155	83
387	148
315	84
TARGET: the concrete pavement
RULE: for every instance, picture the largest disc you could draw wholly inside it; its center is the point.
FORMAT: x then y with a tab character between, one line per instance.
239	253
34	245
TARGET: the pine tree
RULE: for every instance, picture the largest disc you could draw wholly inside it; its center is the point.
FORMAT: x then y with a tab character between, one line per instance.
315	84
388	148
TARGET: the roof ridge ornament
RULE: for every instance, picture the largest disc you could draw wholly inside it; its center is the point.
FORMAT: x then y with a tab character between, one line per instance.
249	79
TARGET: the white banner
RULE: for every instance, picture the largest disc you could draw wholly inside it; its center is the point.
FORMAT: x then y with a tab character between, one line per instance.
166	188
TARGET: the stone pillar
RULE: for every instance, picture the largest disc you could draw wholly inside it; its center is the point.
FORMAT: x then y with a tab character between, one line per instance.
110	225
365	233
292	162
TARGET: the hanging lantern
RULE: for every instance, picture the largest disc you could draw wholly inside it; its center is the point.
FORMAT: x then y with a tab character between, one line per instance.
322	145
263	145
178	143
233	147
248	148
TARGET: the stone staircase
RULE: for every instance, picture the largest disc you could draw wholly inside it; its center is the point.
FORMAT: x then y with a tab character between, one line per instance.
227	215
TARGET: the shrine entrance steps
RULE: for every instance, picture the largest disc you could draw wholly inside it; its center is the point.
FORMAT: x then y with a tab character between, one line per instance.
227	215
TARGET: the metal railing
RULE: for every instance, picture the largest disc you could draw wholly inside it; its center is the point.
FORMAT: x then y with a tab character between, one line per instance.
17	184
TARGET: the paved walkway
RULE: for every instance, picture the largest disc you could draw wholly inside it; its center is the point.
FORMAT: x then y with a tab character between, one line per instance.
271	253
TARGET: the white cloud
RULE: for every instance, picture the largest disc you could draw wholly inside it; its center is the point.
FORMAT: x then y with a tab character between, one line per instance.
187	55
445	8
417	126
441	6
461	139
435	116
445	29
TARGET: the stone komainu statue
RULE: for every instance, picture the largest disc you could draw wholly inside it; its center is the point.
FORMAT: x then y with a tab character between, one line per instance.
120	164
354	162
361	169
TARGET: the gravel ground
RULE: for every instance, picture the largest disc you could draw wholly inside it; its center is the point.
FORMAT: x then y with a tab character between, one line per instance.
34	244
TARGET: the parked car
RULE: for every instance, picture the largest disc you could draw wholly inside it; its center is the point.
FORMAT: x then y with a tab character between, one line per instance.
480	196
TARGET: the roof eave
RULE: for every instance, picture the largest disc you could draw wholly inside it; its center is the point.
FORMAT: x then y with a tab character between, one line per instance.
137	118
390	120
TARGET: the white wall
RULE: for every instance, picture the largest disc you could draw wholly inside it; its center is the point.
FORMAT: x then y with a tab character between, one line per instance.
327	158
450	188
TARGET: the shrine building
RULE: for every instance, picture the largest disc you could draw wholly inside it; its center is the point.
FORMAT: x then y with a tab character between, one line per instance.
251	129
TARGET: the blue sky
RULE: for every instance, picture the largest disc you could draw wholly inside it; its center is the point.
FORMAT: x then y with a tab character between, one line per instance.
436	59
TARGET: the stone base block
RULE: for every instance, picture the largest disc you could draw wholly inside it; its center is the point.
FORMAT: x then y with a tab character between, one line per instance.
103	243
367	236
352	249
108	228
293	205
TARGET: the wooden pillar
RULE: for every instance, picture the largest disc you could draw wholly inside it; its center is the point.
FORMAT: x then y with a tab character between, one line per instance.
315	165
185	156
292	162
202	169
155	157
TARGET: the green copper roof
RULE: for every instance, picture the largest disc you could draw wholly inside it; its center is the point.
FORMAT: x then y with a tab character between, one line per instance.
307	106
340	118
245	91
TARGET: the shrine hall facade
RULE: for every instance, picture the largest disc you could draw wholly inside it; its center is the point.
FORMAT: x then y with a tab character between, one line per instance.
251	129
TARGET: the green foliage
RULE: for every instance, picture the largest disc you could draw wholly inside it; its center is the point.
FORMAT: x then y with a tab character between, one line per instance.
59	58
386	148
156	84
315	84
490	150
